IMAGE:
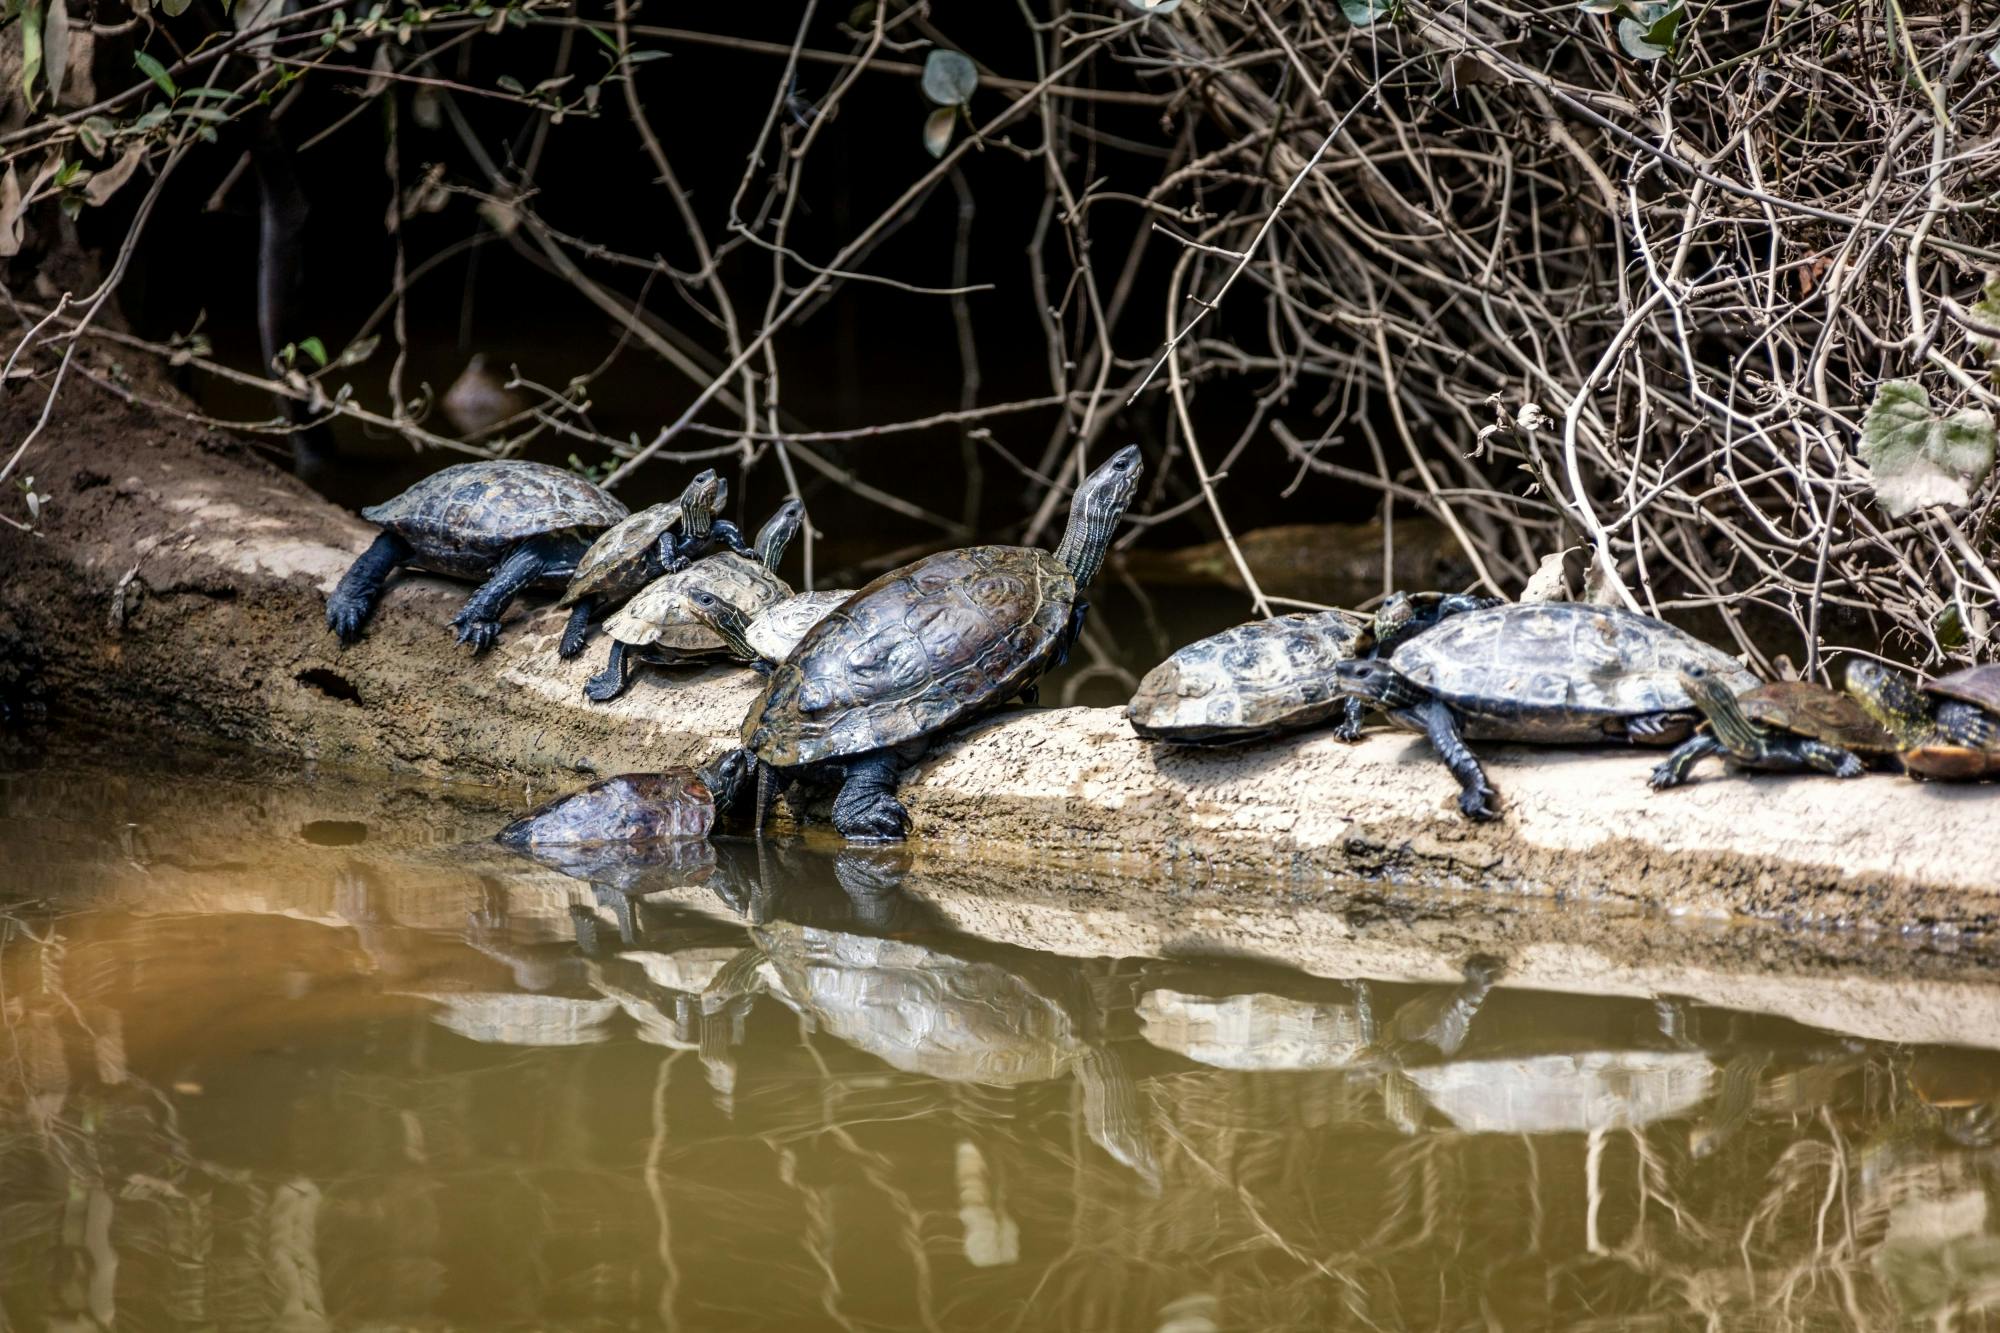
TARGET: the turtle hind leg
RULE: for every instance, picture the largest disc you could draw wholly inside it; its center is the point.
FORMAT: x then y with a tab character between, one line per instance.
1674	769
1658	728
360	588
576	632
609	683
866	810
478	621
1830	759
1476	797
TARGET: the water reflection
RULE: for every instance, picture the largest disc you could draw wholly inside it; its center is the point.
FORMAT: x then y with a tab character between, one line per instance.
325	1083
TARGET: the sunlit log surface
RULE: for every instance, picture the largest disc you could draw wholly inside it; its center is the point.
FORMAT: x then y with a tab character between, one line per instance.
177	589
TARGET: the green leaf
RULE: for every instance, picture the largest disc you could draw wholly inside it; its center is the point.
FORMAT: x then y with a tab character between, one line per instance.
1649	30
949	77
1916	459
1364	13
1986	310
1153	7
359	350
640	57
602	36
315	349
31	50
937	130
1600	6
173	8
509	83
155	71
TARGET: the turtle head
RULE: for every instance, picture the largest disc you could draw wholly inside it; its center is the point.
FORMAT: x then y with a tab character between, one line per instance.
725	618
702	500
778	531
1718	703
1892	698
725	776
1395	617
1094	512
1375	681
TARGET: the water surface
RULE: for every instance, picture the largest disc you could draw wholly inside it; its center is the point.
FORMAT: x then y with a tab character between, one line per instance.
292	1050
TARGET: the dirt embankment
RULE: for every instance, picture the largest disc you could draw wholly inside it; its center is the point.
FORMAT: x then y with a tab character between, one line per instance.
177	586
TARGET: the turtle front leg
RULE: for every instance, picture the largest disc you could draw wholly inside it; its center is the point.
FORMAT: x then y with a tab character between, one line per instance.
1476	797
576	633
1831	759
1353	713
360	588
866	809
478	622
1673	770
724	533
609	683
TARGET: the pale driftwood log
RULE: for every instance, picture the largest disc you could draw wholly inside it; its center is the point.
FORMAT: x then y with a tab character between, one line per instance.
177	589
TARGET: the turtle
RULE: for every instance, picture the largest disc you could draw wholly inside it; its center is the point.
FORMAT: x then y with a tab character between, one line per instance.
1784	726
633	807
508	522
777	629
925	647
655	541
1947	729
1550	673
1273	676
920	1008
658	626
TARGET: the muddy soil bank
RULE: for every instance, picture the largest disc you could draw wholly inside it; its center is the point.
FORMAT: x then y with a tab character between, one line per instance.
176	588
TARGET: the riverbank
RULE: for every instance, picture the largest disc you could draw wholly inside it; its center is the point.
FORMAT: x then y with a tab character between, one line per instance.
177	588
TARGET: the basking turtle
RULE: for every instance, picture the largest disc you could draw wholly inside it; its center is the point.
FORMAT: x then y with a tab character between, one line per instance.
1275	676
659	625
633	807
1551	673
927	646
1786	726
655	541
507	522
777	629
1947	729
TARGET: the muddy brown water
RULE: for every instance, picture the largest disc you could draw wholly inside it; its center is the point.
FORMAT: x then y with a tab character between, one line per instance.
300	1050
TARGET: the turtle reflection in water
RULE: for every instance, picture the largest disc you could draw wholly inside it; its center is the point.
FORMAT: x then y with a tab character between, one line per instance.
1258	1030
928	1012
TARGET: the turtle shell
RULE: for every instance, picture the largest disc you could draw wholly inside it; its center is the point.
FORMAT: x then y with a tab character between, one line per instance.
918	649
632	807
1951	763
779	627
1559	671
1978	686
661	615
615	564
1249	681
464	518
1814	711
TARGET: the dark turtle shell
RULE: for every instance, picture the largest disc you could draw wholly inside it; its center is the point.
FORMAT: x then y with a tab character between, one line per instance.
1978	686
1816	712
1249	681
1559	671
616	564
464	518
913	652
632	807
1945	762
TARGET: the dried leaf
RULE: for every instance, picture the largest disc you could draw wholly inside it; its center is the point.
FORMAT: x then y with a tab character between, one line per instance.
1915	459
937	130
949	78
10	213
1554	577
107	182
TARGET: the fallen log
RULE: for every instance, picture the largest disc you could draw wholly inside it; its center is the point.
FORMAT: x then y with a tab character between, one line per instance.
176	586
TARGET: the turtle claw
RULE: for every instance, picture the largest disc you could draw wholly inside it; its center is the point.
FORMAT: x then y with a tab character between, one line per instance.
881	820
1478	803
1850	767
1664	776
481	634
603	687
344	619
1350	732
